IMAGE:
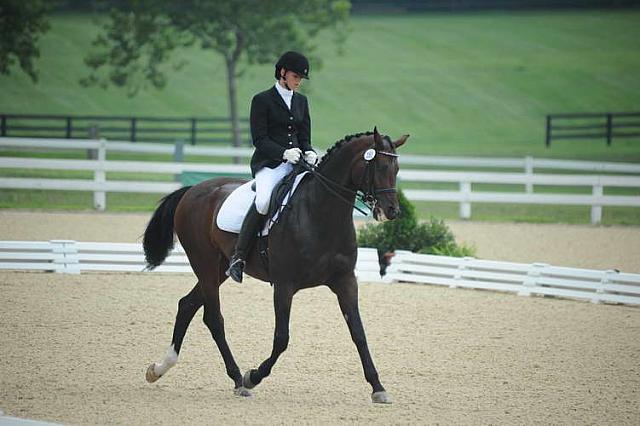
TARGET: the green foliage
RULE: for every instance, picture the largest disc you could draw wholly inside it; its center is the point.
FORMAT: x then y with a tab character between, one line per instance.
471	84
451	249
405	233
22	23
138	39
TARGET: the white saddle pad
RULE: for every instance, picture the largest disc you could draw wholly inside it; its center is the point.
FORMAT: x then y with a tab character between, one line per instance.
237	204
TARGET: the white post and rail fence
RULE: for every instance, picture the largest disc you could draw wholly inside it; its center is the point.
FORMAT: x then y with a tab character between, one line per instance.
600	175
611	286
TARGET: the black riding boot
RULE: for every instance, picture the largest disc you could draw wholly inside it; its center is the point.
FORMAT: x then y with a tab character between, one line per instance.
250	225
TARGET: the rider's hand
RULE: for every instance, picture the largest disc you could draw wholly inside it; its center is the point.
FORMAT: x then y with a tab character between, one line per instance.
311	157
292	155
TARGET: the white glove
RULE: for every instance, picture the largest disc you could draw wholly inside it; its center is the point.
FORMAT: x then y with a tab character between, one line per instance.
292	155
311	157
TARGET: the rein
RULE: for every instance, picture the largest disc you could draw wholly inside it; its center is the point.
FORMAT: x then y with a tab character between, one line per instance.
368	197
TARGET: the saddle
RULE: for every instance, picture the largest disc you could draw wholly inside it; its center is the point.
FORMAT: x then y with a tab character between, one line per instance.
278	206
235	207
280	196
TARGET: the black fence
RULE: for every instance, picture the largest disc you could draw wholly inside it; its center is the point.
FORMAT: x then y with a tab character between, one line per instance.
453	6
135	129
605	125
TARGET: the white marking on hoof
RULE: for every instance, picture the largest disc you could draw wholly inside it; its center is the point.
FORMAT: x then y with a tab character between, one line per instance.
246	380
381	397
158	369
243	392
151	375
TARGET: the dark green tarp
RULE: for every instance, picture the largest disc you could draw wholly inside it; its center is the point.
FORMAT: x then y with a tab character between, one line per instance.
192	178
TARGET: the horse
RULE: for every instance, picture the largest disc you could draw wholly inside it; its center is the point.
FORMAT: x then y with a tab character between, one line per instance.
313	243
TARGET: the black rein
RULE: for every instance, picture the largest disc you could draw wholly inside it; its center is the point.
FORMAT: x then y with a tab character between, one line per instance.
368	196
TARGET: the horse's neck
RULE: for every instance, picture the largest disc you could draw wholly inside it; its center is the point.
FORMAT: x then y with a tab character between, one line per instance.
328	207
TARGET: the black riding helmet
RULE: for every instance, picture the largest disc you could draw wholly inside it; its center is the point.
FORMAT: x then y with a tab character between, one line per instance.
293	61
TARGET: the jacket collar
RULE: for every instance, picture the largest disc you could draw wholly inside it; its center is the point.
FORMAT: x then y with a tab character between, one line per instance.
280	101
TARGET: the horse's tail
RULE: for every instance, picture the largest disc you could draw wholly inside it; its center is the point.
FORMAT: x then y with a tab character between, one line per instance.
158	237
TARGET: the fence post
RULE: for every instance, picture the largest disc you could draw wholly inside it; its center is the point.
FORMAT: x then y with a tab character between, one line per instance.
133	129
99	177
178	156
528	170
94	133
69	127
609	128
596	207
462	266
465	204
531	280
3	125
68	262
606	279
193	131
547	141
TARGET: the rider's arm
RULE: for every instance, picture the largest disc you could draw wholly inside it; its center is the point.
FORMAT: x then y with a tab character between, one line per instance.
259	130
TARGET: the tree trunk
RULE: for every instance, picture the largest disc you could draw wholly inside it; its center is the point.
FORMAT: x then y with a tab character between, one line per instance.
233	105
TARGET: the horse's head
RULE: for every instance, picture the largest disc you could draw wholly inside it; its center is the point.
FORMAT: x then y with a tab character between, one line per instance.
375	175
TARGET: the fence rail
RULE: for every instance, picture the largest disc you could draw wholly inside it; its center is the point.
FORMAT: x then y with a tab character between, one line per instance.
527	164
522	279
120	146
465	195
135	129
67	256
606	125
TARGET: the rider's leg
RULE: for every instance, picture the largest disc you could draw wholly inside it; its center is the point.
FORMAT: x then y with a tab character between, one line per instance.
266	180
249	229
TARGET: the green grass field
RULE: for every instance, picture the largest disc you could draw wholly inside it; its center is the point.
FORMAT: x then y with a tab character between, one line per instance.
476	84
465	84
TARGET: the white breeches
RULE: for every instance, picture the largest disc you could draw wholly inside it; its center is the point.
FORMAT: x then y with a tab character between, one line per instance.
266	180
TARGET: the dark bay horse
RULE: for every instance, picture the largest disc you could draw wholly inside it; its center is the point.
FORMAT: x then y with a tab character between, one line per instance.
313	244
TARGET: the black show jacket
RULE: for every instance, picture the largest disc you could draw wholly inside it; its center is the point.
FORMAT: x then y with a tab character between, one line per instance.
275	128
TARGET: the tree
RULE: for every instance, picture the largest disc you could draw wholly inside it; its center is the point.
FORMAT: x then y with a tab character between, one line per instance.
138	39
21	25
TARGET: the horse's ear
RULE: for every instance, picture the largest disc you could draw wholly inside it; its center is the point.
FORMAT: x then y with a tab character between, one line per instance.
377	139
397	144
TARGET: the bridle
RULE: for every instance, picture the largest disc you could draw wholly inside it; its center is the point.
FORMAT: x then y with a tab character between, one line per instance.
368	193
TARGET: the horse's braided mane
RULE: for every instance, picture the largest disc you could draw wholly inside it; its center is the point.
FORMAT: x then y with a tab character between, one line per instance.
339	144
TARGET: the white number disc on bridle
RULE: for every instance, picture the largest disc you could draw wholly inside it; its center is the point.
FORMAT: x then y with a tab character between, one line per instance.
369	154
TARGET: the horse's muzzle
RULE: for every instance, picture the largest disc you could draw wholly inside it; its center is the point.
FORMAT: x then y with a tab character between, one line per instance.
382	215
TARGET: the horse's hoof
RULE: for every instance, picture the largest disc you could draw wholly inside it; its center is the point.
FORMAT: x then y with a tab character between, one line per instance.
381	397
151	374
246	380
242	391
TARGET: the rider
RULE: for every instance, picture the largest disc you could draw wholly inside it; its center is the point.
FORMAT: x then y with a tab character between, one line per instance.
281	133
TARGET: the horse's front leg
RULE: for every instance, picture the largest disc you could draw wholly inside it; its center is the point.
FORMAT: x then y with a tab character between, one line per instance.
282	296
347	291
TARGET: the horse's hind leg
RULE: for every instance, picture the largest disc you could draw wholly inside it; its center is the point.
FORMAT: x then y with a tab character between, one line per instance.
187	308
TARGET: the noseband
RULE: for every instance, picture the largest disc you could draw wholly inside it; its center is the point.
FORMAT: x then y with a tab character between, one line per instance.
367	193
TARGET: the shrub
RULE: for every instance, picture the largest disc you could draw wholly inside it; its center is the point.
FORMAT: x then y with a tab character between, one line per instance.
405	233
398	234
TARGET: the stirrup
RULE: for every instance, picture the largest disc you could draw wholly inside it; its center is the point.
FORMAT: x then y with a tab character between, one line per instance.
235	269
